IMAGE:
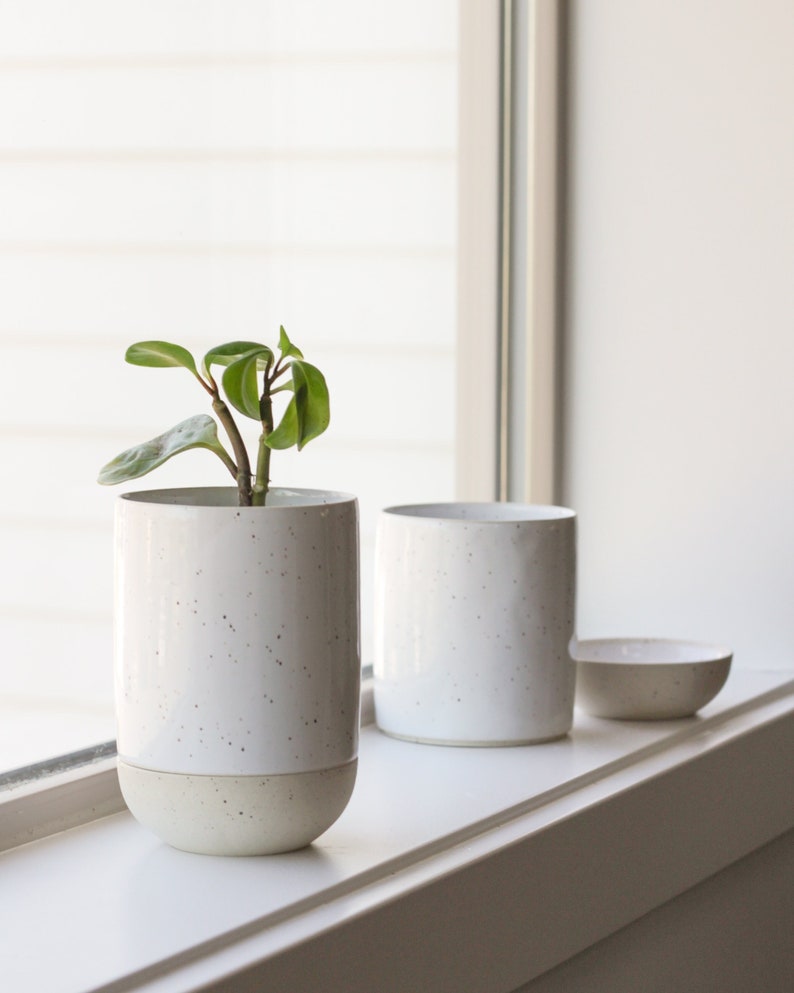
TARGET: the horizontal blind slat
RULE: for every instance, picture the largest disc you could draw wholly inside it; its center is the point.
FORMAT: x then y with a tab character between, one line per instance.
89	388
61	493
310	109
273	203
50	28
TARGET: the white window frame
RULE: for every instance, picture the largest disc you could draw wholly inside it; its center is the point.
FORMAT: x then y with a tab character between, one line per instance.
510	242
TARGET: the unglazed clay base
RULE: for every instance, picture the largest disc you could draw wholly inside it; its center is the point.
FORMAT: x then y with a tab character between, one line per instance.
237	815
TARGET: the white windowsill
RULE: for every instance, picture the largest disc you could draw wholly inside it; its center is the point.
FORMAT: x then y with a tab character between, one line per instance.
482	868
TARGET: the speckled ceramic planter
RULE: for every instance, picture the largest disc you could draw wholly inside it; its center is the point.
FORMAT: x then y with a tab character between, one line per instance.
237	665
474	619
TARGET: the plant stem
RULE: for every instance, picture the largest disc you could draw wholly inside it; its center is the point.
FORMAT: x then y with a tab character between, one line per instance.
227	460
262	484
238	446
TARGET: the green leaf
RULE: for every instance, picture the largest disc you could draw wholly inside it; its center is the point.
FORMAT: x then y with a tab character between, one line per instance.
226	354
159	354
308	412
196	432
285	346
241	384
286	434
311	398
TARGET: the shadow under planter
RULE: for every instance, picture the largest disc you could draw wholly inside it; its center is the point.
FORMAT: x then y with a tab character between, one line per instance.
474	618
237	665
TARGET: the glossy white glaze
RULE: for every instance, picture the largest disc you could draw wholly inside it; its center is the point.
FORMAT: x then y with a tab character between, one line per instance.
237	632
474	616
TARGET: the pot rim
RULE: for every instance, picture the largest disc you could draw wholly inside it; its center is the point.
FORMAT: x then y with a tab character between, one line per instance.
488	512
225	497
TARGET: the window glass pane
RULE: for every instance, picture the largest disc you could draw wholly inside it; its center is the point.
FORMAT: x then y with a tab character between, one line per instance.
204	172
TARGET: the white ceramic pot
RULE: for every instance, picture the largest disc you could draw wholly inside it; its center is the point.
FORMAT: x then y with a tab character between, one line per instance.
237	665
474	619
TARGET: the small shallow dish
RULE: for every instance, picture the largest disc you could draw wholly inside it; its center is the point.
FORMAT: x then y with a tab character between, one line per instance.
647	679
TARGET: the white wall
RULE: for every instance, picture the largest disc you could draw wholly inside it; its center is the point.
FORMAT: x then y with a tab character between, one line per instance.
679	375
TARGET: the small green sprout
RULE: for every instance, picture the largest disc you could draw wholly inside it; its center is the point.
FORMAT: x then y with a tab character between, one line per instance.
252	375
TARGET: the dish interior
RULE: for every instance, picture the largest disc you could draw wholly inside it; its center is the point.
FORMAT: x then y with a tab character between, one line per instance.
648	651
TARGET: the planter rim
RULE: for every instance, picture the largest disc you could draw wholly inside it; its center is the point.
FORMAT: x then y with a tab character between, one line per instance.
225	497
484	512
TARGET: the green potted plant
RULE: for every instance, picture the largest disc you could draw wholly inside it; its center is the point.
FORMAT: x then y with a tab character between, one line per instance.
237	665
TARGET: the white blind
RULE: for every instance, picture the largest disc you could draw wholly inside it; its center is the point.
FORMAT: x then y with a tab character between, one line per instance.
203	171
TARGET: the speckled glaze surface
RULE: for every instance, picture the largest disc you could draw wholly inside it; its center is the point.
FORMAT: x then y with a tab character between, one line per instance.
646	679
237	632
474	615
